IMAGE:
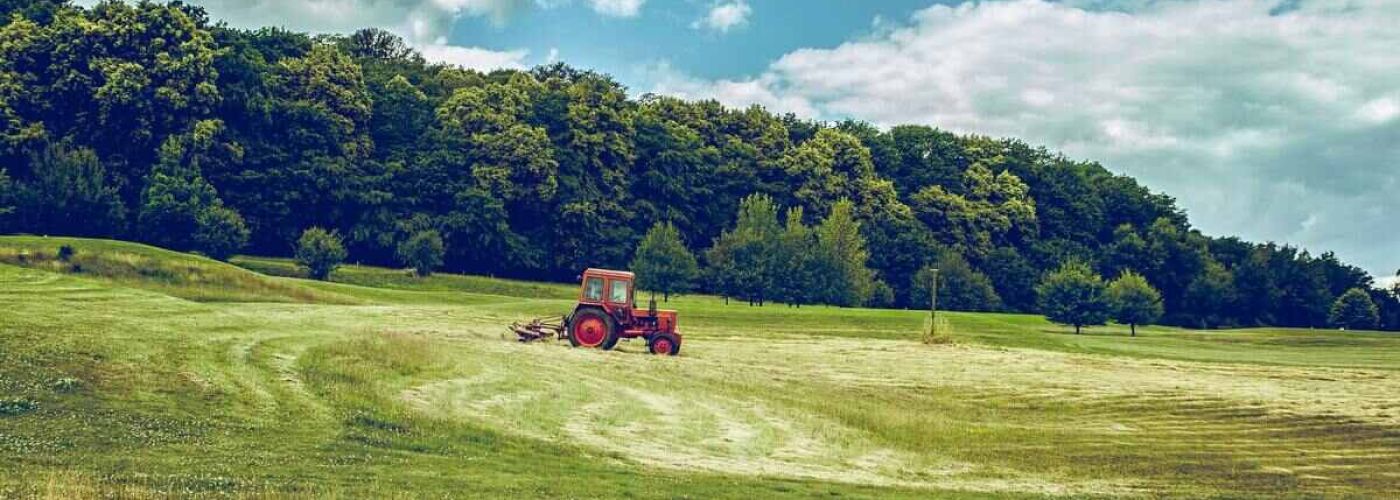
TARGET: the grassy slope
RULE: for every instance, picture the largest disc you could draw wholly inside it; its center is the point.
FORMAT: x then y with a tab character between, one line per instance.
416	390
177	274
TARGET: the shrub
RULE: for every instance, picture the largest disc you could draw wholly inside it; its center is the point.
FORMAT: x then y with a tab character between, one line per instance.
320	252
220	232
423	251
65	253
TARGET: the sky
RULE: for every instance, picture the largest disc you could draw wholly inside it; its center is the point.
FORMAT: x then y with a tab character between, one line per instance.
1272	120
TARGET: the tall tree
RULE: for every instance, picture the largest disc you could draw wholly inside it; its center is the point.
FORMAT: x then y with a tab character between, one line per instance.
996	211
841	248
176	193
798	264
1211	297
663	263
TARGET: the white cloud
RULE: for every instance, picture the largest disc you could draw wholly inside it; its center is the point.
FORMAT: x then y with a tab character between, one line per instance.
723	17
421	21
475	58
617	8
1271	125
737	93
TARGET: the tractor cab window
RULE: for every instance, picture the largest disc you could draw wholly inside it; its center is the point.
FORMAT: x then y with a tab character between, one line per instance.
593	289
619	292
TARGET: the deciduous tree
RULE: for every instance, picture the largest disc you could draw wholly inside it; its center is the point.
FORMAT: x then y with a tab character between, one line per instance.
320	252
663	263
1354	310
1073	295
1132	301
422	251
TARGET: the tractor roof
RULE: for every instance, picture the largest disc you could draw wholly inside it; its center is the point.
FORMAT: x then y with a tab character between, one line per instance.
609	273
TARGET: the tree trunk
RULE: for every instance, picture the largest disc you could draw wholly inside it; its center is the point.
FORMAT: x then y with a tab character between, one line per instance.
1076	329
665	296
1133	328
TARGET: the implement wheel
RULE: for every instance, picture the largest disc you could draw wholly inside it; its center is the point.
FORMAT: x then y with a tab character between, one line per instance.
592	328
664	344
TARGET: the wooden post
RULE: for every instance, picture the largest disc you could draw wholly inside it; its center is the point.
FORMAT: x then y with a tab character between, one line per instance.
933	307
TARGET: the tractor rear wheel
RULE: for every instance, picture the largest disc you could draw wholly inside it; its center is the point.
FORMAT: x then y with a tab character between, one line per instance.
664	344
592	328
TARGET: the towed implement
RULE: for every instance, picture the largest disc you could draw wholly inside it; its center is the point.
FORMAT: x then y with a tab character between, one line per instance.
606	313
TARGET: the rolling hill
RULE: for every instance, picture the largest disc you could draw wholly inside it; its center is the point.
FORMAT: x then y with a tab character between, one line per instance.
132	371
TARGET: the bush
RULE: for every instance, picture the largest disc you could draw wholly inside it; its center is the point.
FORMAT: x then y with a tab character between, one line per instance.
65	253
220	233
320	252
423	252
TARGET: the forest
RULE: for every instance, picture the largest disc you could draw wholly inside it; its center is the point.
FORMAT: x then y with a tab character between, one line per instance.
151	122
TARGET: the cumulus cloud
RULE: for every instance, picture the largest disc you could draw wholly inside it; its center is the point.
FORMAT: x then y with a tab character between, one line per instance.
475	58
617	8
763	91
725	16
424	23
1270	121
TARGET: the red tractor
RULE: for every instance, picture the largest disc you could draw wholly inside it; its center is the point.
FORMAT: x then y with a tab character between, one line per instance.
605	314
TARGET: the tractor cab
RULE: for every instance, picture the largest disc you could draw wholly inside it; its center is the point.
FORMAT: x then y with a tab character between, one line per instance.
606	312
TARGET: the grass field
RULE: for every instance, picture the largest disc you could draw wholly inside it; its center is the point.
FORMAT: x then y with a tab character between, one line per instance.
116	383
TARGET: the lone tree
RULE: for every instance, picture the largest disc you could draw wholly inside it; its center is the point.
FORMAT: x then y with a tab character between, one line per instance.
1354	310
1073	295
320	252
423	251
663	263
1133	301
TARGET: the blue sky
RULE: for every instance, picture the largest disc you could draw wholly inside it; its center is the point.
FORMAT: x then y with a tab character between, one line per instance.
668	31
1273	120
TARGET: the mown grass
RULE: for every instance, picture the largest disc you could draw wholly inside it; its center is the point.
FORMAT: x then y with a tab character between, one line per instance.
111	390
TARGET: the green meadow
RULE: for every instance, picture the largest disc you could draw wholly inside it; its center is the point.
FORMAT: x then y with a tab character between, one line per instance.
130	371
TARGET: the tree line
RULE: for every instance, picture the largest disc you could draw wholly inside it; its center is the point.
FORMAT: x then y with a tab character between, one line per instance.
148	121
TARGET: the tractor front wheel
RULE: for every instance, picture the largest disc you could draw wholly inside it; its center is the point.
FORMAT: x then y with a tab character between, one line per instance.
664	344
592	328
